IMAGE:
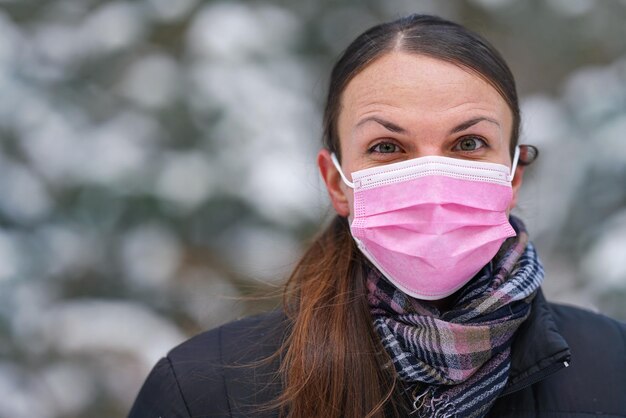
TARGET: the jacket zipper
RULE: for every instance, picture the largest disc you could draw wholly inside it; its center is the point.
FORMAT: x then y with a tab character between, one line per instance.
549	370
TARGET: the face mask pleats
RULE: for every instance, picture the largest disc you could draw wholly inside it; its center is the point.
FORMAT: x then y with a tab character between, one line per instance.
430	224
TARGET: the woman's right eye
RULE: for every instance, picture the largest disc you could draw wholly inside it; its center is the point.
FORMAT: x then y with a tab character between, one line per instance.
384	148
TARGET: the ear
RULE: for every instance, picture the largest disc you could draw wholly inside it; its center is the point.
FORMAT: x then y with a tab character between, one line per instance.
516	184
335	186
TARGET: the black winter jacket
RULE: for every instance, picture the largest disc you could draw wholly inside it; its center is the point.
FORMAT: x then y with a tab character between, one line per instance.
566	363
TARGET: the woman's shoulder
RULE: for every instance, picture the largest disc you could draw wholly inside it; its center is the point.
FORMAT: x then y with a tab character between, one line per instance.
597	342
573	363
250	338
224	372
598	360
583	325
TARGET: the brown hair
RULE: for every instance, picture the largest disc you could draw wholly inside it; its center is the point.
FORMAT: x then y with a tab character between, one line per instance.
333	363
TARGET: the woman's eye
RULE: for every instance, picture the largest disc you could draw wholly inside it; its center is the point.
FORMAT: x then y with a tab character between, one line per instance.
470	143
385	148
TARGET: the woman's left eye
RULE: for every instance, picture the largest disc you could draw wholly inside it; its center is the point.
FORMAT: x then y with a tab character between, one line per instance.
384	148
470	143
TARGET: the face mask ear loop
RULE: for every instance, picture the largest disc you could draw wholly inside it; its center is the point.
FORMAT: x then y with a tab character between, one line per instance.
515	160
333	157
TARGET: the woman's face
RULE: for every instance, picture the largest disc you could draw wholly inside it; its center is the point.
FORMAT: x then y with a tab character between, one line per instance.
404	106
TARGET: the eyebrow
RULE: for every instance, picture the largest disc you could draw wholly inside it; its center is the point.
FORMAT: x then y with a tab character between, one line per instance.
390	126
468	124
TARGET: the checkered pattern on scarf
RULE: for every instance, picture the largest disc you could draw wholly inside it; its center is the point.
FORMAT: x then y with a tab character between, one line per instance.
457	361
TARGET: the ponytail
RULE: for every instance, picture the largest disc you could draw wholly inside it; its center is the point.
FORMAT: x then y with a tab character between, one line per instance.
333	364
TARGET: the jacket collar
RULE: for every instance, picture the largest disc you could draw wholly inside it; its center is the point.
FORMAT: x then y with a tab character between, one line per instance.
538	349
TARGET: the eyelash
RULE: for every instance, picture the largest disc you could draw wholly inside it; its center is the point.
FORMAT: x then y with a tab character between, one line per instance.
372	149
484	144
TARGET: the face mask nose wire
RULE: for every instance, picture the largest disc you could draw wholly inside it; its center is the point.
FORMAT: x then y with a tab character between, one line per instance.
333	157
515	161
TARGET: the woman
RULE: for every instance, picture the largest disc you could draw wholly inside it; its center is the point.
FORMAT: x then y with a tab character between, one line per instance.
422	297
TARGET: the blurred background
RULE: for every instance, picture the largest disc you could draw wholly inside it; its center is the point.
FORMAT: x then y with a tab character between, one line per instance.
157	170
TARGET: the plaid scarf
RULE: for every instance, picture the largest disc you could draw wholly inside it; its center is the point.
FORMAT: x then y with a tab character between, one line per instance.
456	363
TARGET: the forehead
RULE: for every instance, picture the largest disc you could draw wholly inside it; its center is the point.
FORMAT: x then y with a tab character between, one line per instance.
420	87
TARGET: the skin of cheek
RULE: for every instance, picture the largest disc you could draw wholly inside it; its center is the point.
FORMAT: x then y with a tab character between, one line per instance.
347	171
516	184
349	194
341	196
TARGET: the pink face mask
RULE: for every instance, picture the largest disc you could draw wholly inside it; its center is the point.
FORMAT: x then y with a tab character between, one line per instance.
430	224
